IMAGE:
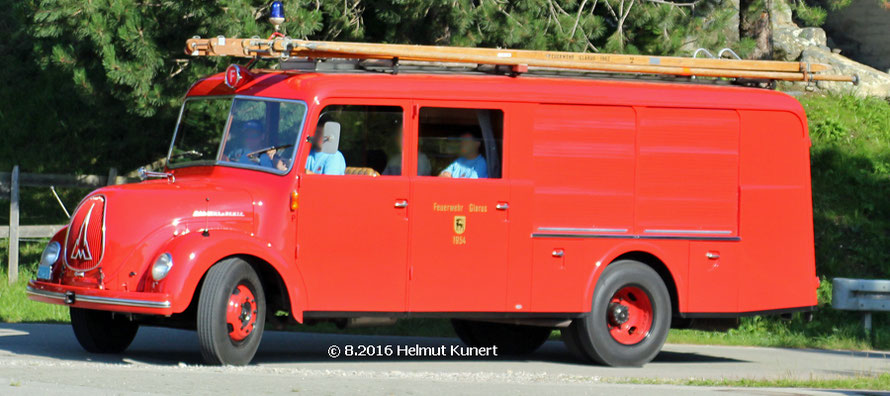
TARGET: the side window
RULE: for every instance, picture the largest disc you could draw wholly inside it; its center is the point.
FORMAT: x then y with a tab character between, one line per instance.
460	143
357	140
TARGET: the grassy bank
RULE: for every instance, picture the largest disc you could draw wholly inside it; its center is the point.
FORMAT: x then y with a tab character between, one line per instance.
862	382
14	304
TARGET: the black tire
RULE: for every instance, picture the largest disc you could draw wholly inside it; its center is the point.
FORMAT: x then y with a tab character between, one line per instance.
593	329
221	281
510	339
102	331
572	341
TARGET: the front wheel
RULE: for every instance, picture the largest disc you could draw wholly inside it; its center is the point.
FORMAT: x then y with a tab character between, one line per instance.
629	318
102	331
231	313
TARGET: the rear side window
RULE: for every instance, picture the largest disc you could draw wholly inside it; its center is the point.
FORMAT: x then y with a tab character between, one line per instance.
460	143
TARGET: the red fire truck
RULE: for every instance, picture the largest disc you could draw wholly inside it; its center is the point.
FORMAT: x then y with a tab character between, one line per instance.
510	202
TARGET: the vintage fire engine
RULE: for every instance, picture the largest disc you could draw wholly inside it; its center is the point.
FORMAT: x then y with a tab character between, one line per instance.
513	192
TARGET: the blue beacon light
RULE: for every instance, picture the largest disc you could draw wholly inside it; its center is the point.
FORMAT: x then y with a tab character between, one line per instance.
276	14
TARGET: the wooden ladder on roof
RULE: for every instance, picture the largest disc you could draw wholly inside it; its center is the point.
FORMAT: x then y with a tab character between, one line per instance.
518	60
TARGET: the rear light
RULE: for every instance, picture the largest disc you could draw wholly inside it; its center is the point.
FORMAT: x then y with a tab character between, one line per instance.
294	200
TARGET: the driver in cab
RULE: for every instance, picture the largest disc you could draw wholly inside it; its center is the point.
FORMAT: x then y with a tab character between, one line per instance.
254	151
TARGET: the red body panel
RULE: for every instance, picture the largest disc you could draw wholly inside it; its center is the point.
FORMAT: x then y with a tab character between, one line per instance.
712	183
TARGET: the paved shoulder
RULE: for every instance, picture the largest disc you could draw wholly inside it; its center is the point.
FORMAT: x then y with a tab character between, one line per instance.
46	359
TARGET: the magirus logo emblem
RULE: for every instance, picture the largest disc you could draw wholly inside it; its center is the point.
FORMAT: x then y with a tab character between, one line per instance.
81	249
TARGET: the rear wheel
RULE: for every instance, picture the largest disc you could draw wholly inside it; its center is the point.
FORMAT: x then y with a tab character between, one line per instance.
629	319
510	339
231	313
102	331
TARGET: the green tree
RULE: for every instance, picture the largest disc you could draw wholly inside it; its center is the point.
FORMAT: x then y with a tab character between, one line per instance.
99	83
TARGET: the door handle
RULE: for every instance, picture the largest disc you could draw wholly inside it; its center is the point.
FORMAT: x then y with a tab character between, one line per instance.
402	203
502	206
712	255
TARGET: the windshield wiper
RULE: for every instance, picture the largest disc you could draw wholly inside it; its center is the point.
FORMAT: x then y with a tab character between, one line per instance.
253	154
190	153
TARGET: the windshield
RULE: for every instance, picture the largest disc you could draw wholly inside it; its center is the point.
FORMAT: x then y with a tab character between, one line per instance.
244	132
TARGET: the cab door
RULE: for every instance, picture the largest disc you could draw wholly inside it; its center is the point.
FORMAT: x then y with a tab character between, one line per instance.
459	225
353	225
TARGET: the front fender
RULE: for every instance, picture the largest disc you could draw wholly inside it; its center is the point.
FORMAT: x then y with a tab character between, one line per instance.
193	254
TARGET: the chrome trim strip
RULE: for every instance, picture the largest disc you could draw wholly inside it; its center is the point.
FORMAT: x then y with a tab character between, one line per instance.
629	236
708	232
126	302
569	229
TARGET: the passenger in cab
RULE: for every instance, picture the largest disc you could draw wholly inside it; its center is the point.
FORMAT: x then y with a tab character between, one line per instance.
323	163
254	148
394	165
471	164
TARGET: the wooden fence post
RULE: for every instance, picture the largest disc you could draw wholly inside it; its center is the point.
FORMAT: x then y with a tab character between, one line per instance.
13	268
112	177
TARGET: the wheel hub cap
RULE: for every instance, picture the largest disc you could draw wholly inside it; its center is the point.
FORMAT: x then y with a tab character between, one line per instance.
241	313
630	315
618	314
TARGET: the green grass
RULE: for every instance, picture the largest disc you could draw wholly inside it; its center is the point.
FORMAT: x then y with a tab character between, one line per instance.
862	382
15	306
14	303
851	185
830	329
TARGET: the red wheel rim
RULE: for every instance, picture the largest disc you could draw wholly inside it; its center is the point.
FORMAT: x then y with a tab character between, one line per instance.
241	313
629	315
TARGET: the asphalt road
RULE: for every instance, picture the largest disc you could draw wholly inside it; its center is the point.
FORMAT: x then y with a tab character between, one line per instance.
46	359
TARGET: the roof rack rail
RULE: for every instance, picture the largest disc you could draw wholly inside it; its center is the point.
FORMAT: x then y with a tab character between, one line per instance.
346	66
513	62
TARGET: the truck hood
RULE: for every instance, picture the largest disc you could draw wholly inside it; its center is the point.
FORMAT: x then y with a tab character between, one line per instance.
116	230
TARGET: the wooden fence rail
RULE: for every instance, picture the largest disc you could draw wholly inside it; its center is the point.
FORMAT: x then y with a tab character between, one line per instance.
32	231
11	182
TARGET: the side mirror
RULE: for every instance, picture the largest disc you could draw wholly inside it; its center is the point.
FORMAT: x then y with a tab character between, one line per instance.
331	141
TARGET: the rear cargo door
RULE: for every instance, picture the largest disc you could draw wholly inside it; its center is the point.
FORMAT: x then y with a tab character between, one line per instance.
687	173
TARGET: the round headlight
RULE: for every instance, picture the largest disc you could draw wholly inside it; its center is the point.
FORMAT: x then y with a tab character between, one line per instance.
161	266
50	254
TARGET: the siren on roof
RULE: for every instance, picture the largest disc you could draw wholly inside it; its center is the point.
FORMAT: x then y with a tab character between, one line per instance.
276	14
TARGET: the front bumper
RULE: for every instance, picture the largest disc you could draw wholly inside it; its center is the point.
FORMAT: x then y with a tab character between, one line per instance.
105	300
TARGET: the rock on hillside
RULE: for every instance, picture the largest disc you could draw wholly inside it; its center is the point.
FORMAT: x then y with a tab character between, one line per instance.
862	30
793	43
